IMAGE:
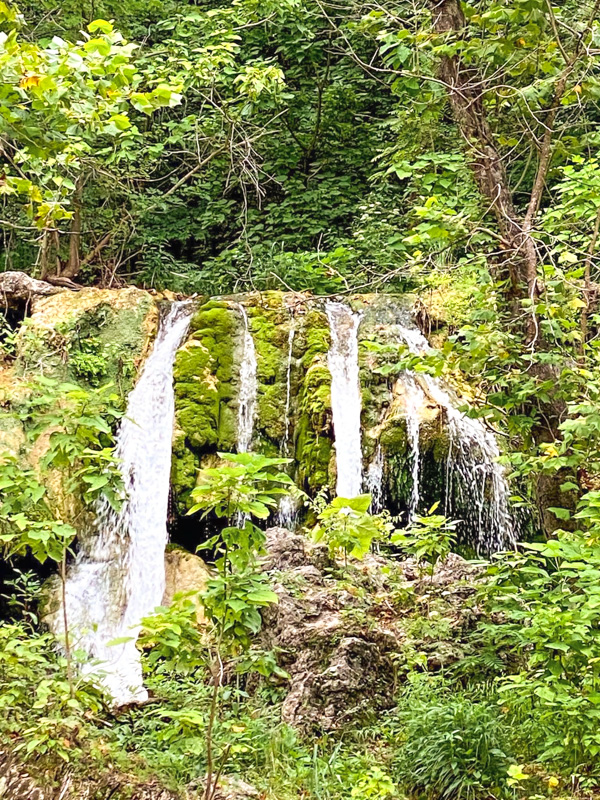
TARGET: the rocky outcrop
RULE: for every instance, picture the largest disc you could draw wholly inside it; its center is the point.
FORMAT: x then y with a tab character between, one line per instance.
184	573
207	381
345	634
291	337
98	337
94	336
412	435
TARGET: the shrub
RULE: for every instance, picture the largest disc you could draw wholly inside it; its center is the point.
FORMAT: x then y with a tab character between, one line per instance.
546	599
453	747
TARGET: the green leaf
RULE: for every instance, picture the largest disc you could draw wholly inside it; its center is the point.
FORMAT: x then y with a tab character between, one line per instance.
263	596
561	513
100	25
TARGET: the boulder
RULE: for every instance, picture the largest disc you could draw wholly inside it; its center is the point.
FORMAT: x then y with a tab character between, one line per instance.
184	572
339	667
93	336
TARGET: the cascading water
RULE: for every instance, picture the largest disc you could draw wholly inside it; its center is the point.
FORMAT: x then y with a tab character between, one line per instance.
287	511
345	397
248	388
118	576
415	398
477	492
374	481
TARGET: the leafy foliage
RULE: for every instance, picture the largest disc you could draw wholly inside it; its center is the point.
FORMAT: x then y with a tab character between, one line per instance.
73	430
448	148
453	747
548	598
346	525
36	702
429	537
249	486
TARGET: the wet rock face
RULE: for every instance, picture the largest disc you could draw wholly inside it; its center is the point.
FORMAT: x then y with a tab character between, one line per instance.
342	633
291	340
416	448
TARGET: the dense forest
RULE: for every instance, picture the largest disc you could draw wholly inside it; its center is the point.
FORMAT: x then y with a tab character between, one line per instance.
352	249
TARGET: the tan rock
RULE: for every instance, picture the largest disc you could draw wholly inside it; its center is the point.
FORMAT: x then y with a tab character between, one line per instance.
51	311
184	572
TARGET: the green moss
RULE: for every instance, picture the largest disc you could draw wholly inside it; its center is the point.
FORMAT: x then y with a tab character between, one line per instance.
184	470
105	344
314	428
206	390
270	325
394	436
315	335
311	391
203	375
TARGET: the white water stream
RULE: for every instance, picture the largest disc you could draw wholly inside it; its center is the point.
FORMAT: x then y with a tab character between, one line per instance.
118	576
476	488
287	511
248	388
415	400
345	397
374	481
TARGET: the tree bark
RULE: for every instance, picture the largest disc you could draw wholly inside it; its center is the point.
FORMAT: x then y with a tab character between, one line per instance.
465	87
466	95
73	266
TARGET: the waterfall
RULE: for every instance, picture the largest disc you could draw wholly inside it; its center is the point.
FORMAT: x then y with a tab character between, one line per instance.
476	488
118	576
374	481
477	492
415	398
288	391
248	388
345	397
287	512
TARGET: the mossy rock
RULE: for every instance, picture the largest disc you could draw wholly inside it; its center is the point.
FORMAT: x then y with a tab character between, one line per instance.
204	378
270	322
207	387
93	337
184	469
315	428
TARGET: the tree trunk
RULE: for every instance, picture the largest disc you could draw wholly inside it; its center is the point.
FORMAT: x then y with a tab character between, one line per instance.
465	89
466	99
74	263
